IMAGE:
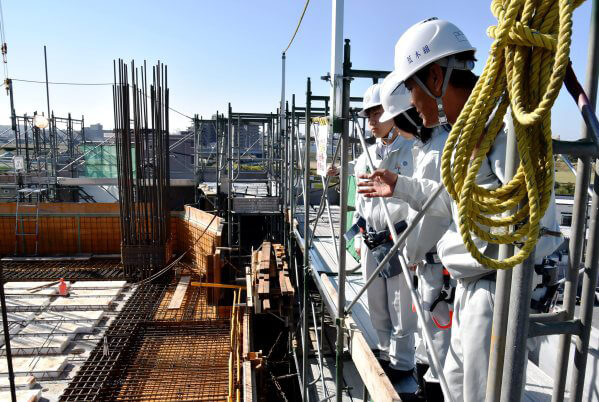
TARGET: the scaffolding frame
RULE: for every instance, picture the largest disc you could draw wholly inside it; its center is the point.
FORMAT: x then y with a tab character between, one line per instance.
508	356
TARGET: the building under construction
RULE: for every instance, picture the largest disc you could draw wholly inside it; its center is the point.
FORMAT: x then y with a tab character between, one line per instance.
211	265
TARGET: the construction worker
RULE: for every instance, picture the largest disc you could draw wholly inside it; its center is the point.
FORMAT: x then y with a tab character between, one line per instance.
434	283
388	296
434	59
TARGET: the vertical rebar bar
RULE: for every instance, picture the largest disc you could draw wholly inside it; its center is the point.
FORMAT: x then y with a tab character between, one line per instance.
143	168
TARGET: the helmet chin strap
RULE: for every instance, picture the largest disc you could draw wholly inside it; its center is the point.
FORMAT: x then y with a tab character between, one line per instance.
441	111
407	116
389	134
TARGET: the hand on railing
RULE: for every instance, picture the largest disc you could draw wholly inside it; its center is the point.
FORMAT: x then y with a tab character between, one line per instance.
332	171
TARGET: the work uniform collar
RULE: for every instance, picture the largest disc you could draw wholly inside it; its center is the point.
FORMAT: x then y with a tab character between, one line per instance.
382	149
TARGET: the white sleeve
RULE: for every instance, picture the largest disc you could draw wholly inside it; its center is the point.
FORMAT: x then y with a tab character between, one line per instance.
416	193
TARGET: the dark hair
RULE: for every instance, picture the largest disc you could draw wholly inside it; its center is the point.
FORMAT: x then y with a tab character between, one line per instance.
464	79
420	132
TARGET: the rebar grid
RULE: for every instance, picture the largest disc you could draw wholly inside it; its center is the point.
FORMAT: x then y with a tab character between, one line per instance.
91	381
96	269
151	352
182	363
199	304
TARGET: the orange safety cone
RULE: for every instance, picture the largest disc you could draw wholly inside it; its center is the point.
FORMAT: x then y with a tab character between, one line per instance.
63	290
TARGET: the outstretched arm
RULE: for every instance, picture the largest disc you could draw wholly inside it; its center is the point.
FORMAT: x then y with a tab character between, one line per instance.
383	183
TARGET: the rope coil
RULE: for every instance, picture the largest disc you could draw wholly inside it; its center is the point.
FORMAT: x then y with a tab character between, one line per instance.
525	71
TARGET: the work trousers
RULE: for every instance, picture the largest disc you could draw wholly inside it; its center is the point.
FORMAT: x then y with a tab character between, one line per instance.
430	280
467	360
390	308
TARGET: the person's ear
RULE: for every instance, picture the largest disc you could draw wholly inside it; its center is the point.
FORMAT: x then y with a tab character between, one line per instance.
435	78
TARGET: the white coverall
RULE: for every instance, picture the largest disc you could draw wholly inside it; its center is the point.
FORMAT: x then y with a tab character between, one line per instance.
424	237
467	362
389	301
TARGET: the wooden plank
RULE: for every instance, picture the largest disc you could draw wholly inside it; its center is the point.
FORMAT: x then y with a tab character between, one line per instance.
179	294
289	286
282	283
265	257
372	374
249	287
263	286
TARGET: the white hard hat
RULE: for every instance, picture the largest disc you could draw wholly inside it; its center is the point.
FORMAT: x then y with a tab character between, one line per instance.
372	98
395	97
428	41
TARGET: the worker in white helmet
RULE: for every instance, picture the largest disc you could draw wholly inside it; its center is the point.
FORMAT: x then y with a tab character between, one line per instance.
436	288
389	302
434	59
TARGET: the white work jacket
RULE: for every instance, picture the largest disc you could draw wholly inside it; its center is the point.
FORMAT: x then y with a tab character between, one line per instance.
427	165
450	248
397	158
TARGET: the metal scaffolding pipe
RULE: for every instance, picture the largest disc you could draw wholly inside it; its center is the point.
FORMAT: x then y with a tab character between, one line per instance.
579	213
305	349
502	288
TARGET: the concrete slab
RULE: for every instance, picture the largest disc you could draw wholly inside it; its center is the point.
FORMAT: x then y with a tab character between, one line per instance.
20	316
105	292
28	395
97	284
50	291
39	367
21	382
57	327
81	303
70	316
40	345
33	303
24	285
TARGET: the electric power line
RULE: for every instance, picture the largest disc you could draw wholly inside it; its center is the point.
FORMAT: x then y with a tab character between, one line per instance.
62	83
86	84
297	27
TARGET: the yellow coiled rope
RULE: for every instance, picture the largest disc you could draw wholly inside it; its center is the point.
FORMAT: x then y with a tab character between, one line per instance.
525	70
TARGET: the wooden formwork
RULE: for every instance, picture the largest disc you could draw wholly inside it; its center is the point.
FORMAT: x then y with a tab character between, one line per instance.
64	229
203	254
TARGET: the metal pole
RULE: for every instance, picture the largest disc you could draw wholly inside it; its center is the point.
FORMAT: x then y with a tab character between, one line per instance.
195	157
516	355
579	213
592	251
338	94
589	283
229	180
291	245
502	287
51	131
343	179
11	374
283	124
13	115
292	165
306	244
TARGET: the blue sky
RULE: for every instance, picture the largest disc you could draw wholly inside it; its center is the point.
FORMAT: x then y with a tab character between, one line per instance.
224	51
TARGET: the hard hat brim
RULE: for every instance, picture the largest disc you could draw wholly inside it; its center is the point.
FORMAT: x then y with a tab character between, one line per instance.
364	112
